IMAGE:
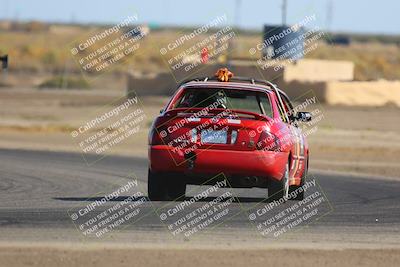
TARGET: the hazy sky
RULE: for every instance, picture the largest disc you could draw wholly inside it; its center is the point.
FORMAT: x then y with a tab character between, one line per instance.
366	16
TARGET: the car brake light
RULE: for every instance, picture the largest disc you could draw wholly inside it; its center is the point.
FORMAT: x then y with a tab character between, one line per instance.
154	138
268	141
159	136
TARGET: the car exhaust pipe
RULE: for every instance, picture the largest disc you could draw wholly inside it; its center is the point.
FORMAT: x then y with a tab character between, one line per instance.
191	160
247	181
250	180
254	180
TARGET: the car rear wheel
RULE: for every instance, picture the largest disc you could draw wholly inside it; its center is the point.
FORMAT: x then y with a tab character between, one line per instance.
176	188
163	187
279	189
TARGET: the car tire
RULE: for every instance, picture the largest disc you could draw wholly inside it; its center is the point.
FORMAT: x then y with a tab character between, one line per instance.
156	186
300	196
164	187
176	189
279	189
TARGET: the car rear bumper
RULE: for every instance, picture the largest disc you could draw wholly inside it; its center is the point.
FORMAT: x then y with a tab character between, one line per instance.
266	164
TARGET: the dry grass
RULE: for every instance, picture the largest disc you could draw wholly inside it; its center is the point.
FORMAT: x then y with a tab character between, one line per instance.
372	61
49	51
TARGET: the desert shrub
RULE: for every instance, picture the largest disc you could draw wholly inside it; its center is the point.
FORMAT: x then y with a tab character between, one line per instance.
62	82
48	58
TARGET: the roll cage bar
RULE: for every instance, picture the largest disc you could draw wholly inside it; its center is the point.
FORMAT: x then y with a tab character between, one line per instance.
271	85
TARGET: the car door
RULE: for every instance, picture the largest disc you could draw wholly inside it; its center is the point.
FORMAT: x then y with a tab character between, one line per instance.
296	138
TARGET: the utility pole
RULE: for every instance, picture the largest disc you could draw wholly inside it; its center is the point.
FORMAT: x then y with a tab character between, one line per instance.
237	13
232	45
329	15
284	11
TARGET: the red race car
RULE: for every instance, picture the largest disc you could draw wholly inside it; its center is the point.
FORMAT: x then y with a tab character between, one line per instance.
242	128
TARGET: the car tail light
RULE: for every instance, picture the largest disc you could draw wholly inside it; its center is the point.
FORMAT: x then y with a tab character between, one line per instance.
268	141
154	138
159	136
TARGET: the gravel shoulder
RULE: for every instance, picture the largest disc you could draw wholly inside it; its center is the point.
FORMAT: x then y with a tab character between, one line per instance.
110	255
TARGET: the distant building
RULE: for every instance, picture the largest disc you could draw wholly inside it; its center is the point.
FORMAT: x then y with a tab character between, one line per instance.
339	40
5	25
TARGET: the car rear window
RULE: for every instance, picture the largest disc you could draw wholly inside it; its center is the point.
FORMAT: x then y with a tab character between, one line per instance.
257	102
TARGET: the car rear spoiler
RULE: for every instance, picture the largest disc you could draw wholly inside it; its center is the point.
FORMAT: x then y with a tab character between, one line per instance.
193	111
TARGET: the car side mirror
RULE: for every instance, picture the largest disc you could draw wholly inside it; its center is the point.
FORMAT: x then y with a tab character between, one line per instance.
303	116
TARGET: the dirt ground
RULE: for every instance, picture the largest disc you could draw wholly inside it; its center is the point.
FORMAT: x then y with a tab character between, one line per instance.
117	255
363	140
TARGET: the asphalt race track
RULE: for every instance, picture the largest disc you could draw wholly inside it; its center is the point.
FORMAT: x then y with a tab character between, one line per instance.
38	189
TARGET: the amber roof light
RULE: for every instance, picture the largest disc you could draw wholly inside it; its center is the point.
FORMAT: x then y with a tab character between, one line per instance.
223	75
